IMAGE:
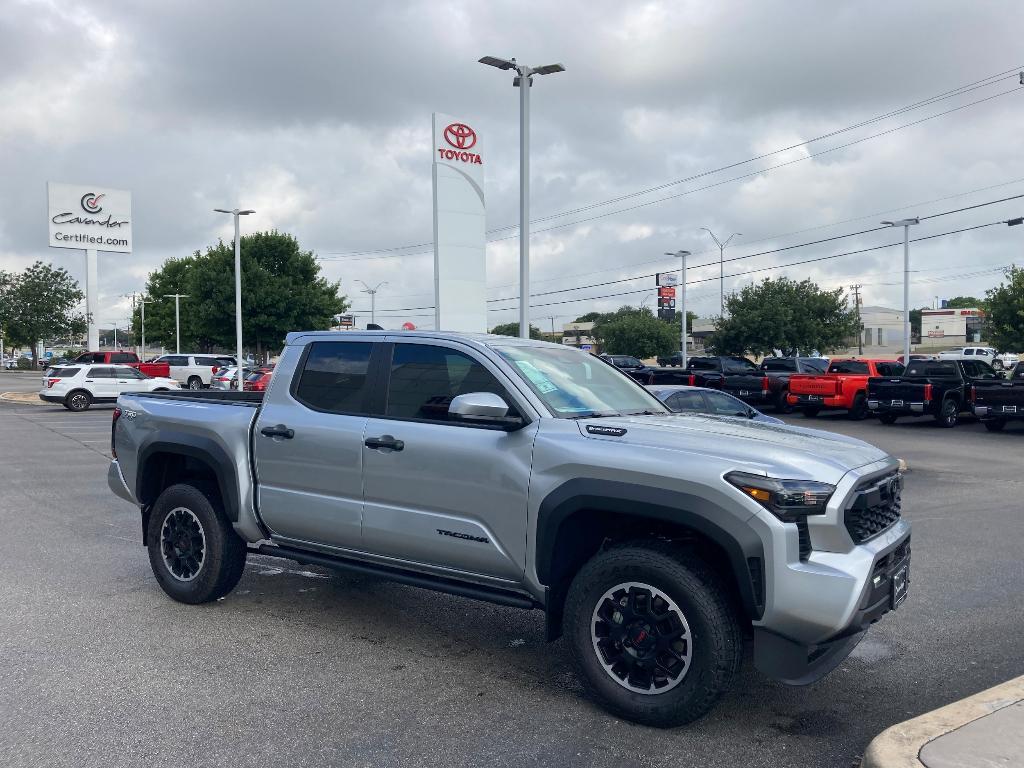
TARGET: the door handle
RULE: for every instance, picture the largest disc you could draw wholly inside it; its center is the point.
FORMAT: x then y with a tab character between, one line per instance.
279	431
384	441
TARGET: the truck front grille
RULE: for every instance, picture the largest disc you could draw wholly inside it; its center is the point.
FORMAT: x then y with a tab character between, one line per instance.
875	508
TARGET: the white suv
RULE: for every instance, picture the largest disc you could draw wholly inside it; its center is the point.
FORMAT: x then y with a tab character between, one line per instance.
985	354
76	387
192	371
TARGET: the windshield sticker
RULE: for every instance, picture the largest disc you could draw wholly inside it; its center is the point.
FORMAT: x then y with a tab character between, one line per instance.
543	384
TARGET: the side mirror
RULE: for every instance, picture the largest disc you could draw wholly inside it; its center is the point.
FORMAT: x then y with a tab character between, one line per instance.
484	409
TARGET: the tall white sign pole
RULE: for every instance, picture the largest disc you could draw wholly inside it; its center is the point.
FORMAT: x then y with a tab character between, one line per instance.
91	297
524	82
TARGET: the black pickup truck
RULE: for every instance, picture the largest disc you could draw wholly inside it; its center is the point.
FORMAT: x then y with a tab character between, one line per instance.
939	388
997	402
779	369
735	375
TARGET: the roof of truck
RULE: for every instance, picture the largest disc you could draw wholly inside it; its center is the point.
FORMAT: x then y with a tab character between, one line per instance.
481	339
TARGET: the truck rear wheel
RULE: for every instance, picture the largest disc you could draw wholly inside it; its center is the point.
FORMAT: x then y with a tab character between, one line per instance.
782	404
859	411
652	633
949	413
195	554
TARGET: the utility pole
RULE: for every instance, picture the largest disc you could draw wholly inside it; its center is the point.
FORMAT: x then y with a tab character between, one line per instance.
860	326
142	311
721	265
177	316
373	299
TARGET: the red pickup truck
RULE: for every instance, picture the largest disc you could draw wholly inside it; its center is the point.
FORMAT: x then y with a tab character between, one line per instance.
844	385
125	358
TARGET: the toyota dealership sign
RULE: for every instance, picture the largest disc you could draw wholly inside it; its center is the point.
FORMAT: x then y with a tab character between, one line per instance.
457	145
89	218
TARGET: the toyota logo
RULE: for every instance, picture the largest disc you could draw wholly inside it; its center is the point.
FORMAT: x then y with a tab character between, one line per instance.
460	136
91	202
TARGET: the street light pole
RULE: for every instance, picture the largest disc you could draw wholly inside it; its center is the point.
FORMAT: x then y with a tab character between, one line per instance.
373	299
682	301
721	265
523	81
235	212
906	224
177	324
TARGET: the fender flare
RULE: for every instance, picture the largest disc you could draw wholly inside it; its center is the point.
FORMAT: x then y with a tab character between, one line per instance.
203	449
742	546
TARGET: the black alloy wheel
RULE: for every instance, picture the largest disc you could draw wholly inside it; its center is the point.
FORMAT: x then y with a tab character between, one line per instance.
641	638
782	404
183	544
949	413
859	411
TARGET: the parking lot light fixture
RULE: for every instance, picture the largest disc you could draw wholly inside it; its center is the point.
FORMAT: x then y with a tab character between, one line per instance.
682	301
236	212
906	224
177	315
524	75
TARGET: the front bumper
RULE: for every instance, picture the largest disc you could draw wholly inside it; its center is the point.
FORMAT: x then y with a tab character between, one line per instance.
116	482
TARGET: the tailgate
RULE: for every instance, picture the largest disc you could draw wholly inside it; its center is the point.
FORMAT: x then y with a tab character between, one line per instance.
155	369
744	385
911	390
809	384
998	395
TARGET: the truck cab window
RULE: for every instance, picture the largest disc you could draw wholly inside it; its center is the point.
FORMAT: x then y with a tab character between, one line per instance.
334	377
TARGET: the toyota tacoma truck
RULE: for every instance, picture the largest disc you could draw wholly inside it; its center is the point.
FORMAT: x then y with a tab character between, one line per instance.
844	386
530	475
997	402
940	389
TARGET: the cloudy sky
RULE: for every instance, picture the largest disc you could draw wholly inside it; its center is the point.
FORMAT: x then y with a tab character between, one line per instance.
317	114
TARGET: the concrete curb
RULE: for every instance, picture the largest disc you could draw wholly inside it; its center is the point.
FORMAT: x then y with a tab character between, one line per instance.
900	745
22	398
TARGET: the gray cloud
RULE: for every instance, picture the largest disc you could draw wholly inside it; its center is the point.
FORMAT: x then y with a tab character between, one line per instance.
318	115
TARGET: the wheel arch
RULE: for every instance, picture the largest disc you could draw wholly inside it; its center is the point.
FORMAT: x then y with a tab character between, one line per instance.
172	457
576	519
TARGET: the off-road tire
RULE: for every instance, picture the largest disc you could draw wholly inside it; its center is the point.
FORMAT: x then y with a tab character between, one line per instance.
811	412
949	413
224	552
78	400
859	411
194	382
782	405
888	418
995	425
716	642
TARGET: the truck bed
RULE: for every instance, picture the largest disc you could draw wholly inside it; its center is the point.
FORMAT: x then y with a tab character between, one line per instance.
216	396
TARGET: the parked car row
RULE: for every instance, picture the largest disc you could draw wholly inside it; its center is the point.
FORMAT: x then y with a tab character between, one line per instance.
944	387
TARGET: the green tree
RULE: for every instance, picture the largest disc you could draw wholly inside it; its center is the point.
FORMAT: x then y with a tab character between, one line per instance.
282	291
631	331
512	329
786	315
965	302
38	304
1004	323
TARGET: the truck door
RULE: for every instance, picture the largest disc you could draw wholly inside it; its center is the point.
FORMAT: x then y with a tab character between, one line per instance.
308	446
446	494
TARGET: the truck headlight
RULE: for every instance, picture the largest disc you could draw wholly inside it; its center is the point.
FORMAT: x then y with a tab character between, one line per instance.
788	500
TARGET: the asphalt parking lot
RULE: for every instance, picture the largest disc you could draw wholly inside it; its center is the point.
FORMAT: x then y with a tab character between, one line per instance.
302	667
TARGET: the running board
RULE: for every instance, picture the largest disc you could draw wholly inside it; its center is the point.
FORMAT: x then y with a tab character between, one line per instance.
436	583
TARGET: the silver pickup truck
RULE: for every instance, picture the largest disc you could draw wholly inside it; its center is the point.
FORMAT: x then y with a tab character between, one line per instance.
537	476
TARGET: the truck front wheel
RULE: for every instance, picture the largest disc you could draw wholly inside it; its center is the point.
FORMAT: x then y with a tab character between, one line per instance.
195	554
652	633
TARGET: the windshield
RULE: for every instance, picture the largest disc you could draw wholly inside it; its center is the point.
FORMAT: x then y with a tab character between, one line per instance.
574	384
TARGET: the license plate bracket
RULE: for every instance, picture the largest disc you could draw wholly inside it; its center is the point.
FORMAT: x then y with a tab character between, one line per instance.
900	585
744	392
814	397
897	403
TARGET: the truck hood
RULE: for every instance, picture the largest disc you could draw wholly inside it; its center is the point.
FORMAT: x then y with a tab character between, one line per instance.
779	450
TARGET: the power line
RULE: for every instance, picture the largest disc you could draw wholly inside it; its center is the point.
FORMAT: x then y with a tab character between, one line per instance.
748	272
991	80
